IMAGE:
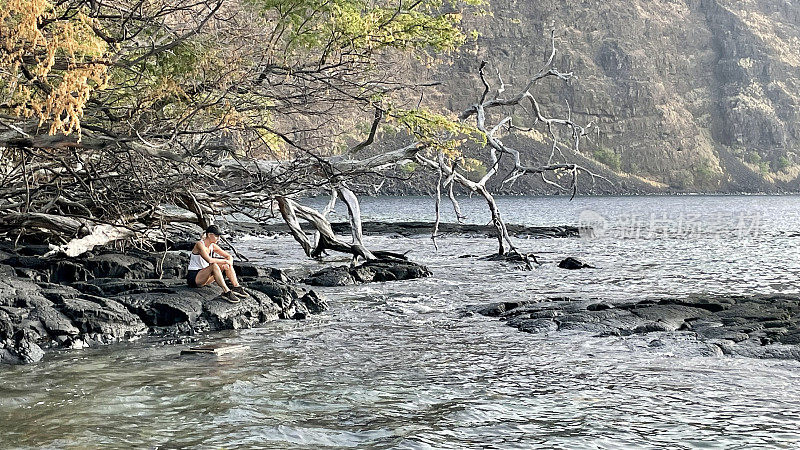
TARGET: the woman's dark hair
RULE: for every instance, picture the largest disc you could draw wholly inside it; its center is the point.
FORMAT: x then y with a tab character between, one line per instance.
213	229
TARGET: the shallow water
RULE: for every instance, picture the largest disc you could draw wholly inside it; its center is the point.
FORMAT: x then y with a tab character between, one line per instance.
402	365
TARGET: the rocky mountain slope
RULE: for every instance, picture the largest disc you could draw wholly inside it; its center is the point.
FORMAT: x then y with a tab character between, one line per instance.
689	95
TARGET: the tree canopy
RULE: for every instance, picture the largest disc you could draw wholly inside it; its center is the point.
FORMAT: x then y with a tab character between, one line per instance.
112	110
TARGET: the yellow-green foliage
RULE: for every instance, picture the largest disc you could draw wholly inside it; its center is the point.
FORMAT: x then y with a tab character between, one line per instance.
168	81
409	167
474	166
608	157
754	157
706	174
62	58
440	132
363	26
67	61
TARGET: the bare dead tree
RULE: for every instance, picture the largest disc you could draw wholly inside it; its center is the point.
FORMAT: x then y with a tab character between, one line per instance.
450	174
497	148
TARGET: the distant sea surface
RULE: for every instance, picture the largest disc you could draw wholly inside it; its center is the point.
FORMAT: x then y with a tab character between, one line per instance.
404	365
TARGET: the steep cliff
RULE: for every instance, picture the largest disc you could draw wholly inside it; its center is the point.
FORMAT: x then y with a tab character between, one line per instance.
698	95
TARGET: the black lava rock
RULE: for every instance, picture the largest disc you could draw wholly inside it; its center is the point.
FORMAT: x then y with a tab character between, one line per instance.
109	297
571	263
753	326
370	271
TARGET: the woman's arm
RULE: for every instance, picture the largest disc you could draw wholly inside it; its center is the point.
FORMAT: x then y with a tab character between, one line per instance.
218	250
228	257
205	255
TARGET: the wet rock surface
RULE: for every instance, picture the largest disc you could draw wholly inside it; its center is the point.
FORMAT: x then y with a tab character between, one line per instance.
109	297
371	271
751	326
522	261
571	263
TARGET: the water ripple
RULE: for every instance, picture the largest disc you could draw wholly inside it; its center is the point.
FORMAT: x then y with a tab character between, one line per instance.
398	365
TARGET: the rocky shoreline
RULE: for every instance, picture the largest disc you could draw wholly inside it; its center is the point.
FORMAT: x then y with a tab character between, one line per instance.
106	296
758	326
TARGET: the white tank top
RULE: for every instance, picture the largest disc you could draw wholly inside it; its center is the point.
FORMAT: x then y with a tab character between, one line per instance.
196	262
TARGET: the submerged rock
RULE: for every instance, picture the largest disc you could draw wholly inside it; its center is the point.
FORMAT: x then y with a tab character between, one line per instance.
510	257
370	271
753	326
571	263
499	308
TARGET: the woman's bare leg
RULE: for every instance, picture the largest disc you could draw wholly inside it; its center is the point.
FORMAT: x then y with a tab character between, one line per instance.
204	276
219	278
231	275
209	274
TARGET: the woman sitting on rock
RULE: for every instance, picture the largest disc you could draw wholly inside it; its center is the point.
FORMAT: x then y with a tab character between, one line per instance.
205	267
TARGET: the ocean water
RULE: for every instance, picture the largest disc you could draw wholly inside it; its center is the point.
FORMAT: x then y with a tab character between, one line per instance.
405	365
